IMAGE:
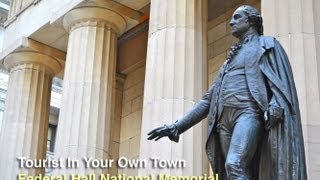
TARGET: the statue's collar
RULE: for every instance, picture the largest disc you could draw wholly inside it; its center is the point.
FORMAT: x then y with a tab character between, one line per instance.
248	38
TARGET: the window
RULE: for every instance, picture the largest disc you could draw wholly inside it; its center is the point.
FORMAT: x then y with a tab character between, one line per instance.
51	137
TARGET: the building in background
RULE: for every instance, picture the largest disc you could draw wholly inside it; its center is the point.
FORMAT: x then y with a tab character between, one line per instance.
127	67
4	8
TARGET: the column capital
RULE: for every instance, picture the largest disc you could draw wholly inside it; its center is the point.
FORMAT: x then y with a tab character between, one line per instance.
26	50
94	16
15	59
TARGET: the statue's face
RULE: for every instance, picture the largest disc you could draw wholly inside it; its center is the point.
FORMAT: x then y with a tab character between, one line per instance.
239	23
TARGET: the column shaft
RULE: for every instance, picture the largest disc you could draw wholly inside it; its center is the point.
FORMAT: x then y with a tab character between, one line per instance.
85	121
26	114
295	23
175	80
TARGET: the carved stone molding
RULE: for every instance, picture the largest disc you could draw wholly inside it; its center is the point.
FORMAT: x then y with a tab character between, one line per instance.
94	16
14	60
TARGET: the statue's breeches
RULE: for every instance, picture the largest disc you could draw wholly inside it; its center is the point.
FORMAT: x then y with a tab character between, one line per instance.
240	131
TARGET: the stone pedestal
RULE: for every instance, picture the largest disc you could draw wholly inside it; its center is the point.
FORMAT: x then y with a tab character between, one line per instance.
175	80
24	131
84	128
296	25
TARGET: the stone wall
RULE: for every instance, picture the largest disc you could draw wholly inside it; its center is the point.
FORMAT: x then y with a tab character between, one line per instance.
116	122
219	41
131	117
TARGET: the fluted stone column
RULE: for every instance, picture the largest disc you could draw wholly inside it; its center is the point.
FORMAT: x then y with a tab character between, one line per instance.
84	128
24	132
296	25
175	80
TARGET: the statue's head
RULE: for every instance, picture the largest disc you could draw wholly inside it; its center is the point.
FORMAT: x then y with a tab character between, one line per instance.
244	18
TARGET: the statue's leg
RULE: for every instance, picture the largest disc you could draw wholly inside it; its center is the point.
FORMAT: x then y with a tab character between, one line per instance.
247	132
225	130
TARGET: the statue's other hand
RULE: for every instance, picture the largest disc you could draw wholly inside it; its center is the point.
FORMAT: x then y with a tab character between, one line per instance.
159	133
274	115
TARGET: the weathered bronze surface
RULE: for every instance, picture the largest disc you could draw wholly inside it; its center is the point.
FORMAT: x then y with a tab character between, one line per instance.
254	118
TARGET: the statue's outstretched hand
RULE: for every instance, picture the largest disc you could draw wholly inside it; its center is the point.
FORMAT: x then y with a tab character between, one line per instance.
165	130
159	133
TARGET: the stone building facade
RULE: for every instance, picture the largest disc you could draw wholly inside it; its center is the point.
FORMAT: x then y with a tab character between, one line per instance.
129	66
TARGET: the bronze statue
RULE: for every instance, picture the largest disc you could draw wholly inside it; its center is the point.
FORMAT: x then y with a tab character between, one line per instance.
252	107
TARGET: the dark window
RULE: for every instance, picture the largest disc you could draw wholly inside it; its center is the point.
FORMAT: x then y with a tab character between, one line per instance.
51	137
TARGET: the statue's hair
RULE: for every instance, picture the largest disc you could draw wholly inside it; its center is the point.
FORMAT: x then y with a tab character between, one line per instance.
254	17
